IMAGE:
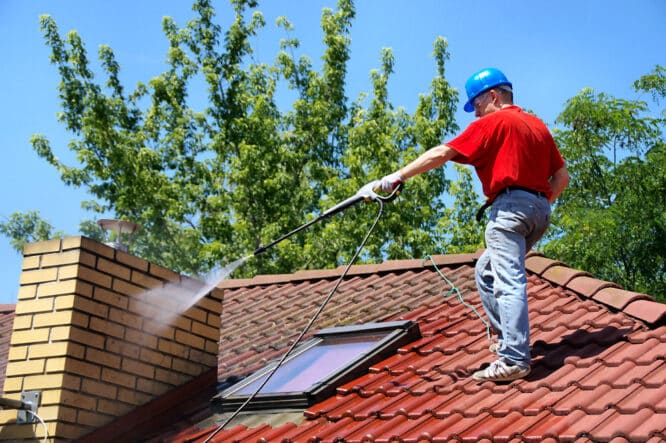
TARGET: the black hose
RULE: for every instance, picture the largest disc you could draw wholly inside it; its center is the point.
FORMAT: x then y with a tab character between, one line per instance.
310	323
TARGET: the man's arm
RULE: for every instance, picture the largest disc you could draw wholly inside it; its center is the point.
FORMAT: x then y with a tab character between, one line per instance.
558	182
430	159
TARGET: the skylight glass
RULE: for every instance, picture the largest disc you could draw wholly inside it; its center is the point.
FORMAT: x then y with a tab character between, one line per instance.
317	363
334	356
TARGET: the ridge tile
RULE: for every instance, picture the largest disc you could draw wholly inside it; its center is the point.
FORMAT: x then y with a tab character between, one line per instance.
647	310
617	297
562	275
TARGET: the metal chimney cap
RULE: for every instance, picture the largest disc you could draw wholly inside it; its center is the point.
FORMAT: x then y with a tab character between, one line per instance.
119	226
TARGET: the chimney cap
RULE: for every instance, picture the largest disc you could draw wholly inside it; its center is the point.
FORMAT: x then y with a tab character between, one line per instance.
119	227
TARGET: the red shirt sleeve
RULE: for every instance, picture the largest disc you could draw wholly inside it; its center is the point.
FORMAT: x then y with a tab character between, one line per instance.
470	144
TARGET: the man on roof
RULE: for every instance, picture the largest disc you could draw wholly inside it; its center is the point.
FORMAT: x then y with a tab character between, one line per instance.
521	172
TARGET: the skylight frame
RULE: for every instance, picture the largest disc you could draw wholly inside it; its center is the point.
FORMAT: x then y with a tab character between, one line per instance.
398	334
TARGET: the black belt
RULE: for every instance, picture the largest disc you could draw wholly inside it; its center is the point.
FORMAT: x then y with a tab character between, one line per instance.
520	188
486	205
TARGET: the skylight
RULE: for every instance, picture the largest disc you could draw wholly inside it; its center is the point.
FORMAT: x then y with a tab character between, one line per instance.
331	358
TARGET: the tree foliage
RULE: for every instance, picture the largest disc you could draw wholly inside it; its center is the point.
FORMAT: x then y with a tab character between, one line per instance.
28	227
210	185
211	182
462	232
611	221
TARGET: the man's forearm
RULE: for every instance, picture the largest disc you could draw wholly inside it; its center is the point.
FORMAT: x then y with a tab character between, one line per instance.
558	182
432	158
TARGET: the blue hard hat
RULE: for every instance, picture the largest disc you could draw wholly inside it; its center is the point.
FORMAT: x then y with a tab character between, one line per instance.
482	81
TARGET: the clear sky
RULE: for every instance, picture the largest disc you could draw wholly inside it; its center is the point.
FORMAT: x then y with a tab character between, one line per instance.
550	50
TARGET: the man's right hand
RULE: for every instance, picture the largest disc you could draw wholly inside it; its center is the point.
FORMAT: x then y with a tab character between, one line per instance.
390	182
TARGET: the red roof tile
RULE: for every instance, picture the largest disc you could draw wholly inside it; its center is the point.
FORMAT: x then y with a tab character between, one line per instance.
647	310
589	286
598	357
537	263
6	326
562	275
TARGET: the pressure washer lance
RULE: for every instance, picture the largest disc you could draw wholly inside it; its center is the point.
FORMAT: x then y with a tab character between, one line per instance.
366	193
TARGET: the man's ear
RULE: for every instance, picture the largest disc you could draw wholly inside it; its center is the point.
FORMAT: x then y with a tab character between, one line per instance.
495	96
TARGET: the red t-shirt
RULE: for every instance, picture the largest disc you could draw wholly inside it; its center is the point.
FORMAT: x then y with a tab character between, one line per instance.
509	147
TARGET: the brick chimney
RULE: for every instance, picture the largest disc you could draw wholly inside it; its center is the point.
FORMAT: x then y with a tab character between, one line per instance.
94	342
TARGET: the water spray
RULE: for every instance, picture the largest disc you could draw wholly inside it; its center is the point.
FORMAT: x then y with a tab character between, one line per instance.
366	193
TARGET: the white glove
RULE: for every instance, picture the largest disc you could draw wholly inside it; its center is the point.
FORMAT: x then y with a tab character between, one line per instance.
390	182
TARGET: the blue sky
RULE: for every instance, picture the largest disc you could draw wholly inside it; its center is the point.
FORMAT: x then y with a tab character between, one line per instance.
550	50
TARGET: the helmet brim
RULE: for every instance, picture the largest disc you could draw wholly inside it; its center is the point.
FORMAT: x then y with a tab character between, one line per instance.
469	106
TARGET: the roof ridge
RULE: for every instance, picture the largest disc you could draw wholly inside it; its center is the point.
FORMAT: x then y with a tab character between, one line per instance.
360	269
635	304
7	307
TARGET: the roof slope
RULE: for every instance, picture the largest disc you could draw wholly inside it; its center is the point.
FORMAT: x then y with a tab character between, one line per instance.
598	373
6	325
262	316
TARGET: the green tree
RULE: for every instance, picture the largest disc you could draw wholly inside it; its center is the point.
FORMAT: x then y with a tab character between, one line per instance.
458	223
611	221
28	227
210	185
